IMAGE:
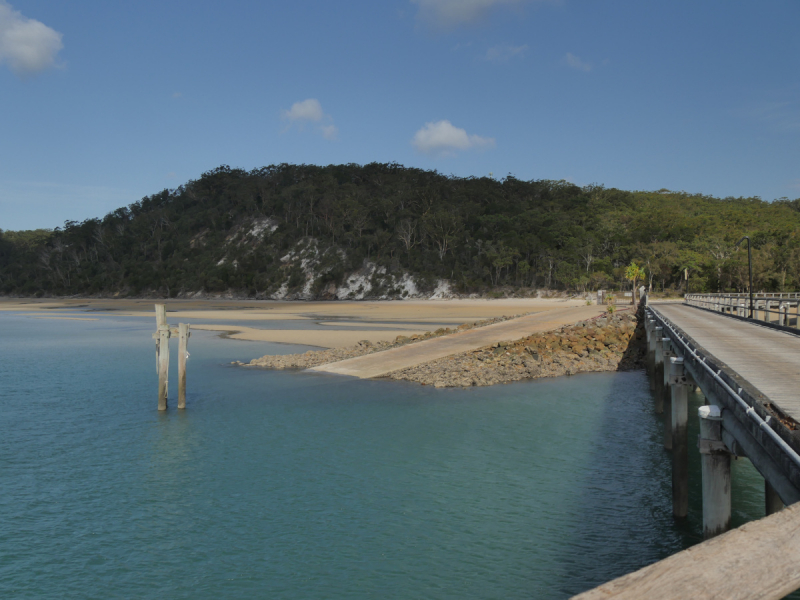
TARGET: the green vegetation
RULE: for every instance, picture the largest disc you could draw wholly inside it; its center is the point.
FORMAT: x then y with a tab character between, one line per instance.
307	231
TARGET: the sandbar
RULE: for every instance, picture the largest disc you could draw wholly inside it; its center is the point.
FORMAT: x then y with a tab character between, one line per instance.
338	323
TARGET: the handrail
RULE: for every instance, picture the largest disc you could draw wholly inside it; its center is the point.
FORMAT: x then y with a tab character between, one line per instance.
759	295
734	304
762	424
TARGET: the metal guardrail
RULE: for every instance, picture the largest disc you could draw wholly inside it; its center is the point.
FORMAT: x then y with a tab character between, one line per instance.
779	308
701	360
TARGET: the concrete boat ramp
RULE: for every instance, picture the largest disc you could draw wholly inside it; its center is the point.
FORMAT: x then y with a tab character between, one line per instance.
379	364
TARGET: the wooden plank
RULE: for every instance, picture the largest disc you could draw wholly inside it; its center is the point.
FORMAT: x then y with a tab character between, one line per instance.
759	560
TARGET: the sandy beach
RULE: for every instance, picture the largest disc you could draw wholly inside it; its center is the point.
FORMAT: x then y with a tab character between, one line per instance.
328	324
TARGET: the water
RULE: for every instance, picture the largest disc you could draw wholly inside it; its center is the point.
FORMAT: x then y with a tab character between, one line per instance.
286	485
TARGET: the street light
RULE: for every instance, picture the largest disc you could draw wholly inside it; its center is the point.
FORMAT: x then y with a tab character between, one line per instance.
750	270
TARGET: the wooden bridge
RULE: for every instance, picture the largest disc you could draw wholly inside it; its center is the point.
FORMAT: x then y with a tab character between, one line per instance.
749	372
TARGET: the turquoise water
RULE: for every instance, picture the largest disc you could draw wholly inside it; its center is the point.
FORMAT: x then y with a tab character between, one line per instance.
287	485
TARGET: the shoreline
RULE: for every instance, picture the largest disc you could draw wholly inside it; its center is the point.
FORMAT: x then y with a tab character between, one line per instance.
336	324
607	342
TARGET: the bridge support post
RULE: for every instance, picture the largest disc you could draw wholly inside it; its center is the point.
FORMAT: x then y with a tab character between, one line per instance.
679	386
649	326
772	502
666	401
715	461
658	374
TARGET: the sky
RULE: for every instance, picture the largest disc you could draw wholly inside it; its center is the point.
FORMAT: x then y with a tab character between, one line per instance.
103	103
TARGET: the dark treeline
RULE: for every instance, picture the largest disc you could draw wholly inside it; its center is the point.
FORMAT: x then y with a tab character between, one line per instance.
247	231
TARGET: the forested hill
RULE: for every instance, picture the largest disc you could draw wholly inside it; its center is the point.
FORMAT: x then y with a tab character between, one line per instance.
382	230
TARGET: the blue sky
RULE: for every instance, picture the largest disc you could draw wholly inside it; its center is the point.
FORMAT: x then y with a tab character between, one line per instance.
104	102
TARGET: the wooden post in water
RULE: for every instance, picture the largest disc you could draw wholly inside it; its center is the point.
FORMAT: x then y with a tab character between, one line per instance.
666	356
680	439
162	352
183	338
715	461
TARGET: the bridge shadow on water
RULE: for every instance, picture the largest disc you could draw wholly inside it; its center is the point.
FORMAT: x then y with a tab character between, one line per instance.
625	489
629	484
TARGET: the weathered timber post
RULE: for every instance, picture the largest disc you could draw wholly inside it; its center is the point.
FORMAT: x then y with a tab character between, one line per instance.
667	354
782	314
658	378
162	345
772	502
183	342
715	461
679	386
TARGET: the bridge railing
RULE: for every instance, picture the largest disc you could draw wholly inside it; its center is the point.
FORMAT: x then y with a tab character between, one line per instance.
776	308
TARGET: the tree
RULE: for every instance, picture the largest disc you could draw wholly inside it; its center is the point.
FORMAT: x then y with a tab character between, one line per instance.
633	273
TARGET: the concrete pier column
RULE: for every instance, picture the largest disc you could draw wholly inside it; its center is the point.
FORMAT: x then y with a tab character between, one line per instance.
666	394
679	386
649	326
658	374
715	461
772	502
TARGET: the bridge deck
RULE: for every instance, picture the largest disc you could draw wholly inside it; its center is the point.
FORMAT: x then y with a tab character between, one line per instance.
767	358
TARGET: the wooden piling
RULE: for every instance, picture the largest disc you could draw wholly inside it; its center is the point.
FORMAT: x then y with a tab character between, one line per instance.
715	461
183	342
162	332
679	388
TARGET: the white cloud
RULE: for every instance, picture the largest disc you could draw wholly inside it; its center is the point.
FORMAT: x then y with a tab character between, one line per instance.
505	53
307	110
452	13
576	63
329	132
26	45
310	111
443	138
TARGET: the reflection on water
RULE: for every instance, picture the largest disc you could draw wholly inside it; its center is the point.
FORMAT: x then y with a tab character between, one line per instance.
291	485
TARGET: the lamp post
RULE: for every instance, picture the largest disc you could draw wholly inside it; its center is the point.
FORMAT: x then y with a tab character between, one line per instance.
749	270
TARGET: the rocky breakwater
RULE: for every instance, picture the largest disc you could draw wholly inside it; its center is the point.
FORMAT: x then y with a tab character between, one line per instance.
607	343
314	358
